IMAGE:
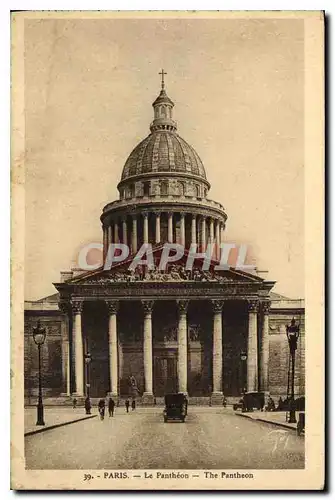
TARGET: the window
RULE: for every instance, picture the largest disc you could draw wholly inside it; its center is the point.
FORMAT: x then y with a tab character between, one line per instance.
146	188
164	188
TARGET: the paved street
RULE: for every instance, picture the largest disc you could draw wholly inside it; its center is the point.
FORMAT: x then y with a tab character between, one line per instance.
209	439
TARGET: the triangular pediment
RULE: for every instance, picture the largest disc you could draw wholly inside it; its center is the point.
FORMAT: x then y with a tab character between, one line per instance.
174	272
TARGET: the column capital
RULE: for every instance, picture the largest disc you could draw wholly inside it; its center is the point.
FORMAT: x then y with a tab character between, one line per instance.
113	306
148	306
64	306
265	306
170	214
253	305
145	215
194	216
182	306
134	217
217	305
157	213
77	306
182	215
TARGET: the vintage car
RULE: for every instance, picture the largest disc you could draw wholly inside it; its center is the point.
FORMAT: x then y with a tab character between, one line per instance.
251	401
175	407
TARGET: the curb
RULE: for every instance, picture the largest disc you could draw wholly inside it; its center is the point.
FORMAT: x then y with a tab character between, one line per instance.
50	427
278	424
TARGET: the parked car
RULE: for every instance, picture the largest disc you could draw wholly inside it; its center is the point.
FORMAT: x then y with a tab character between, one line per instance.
175	407
251	401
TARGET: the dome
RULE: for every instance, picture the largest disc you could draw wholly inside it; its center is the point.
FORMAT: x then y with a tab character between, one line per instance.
163	151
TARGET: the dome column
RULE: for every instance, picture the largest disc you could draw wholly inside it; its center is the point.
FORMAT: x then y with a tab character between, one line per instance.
194	229
217	239
170	227
134	235
221	232
116	232
158	227
145	228
105	242
211	231
203	233
124	231
182	229
109	236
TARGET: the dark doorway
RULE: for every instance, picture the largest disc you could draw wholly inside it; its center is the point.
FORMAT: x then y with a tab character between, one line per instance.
165	376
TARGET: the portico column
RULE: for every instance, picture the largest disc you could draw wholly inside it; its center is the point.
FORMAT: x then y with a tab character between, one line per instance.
217	239
77	307
65	308
252	361
134	235
203	233
182	346
265	345
112	344
182	229
145	228
194	229
158	227
124	232
147	350
217	395
116	232
170	227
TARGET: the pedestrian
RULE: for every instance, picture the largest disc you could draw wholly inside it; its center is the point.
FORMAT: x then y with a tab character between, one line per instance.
101	408
133	405
127	405
111	406
74	403
88	406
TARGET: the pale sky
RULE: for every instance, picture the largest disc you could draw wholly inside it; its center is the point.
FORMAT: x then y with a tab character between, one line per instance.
238	89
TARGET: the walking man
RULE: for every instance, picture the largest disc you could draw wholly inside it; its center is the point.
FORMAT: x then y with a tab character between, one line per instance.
133	405
127	405
101	407
111	406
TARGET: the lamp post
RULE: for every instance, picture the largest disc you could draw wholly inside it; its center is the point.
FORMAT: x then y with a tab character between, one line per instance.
292	332
243	357
39	335
88	360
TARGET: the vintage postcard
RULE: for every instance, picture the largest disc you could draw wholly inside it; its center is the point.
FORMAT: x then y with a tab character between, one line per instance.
167	250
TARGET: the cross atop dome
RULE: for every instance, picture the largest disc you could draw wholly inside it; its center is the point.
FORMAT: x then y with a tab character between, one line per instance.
162	73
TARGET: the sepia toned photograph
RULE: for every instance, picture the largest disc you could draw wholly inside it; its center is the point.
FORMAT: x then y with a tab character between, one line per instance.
164	317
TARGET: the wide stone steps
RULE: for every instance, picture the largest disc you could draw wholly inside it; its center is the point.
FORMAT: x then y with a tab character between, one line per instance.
159	401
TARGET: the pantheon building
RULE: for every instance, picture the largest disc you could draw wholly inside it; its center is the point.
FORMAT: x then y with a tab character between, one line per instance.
209	334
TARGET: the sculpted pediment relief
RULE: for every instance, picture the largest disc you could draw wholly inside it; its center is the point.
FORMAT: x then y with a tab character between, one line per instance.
175	273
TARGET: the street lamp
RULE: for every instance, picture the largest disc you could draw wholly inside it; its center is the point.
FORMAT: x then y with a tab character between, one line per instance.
243	357
292	332
39	335
88	360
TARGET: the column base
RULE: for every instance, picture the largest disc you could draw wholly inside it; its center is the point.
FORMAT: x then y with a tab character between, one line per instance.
216	399
148	399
